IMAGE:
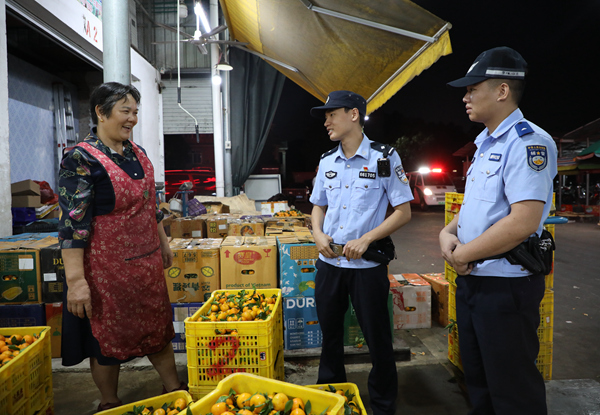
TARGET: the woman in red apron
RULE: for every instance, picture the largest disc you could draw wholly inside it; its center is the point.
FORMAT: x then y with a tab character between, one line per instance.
114	249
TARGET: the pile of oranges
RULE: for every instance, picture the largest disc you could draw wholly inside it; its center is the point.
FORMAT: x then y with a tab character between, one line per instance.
351	407
173	408
12	344
288	213
241	306
259	404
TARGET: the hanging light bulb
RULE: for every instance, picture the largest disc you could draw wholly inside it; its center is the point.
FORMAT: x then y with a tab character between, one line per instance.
216	80
183	10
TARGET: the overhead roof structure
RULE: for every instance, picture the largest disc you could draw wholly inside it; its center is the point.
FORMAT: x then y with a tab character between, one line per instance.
373	48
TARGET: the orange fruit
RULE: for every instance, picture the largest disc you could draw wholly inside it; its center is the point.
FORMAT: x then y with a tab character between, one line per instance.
341	392
16	337
173	412
245	412
159	411
218	408
258	401
297	403
279	401
297	411
28	338
180	404
241	400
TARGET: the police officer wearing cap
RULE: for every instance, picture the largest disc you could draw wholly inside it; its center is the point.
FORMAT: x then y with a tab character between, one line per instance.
355	182
508	196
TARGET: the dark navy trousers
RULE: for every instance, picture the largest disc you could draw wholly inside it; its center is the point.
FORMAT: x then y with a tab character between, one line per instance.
497	321
368	288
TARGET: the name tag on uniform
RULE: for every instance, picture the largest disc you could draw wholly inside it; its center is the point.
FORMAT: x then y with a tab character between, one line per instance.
495	157
367	175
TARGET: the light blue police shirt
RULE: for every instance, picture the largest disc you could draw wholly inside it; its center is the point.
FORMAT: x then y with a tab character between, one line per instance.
516	162
356	196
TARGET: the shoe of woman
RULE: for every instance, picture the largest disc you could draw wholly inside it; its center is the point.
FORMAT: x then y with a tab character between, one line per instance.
182	387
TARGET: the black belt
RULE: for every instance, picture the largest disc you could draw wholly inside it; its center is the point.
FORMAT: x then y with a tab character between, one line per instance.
381	251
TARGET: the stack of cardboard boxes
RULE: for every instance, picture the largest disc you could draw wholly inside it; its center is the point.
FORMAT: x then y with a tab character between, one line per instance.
31	285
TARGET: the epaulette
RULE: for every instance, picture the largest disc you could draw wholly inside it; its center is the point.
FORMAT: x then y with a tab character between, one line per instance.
330	152
523	128
384	148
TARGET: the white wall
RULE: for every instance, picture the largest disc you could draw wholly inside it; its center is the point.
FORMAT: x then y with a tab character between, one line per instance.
148	132
5	200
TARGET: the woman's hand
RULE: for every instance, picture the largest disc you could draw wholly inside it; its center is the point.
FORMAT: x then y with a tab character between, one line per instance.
167	255
79	300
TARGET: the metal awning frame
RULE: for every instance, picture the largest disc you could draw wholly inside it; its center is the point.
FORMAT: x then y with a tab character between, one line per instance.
428	39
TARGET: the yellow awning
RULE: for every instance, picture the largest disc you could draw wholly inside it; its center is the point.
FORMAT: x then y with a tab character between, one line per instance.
373	48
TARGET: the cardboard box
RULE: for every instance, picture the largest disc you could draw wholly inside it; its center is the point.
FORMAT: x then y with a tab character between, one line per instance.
26	201
412	301
215	207
352	329
248	261
195	273
22	315
19	274
180	313
216	226
245	227
297	260
439	297
54	320
189	227
302	328
268	208
52	270
25	188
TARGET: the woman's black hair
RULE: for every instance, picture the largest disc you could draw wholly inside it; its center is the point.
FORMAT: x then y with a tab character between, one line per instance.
107	95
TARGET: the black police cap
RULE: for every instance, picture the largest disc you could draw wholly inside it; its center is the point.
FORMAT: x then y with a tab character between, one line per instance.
501	62
341	99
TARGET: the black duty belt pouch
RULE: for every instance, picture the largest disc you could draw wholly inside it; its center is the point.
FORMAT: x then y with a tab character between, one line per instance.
535	254
382	251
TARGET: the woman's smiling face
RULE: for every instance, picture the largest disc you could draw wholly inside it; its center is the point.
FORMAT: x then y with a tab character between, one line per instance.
119	124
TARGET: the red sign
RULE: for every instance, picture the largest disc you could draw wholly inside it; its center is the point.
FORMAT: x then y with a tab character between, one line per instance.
246	257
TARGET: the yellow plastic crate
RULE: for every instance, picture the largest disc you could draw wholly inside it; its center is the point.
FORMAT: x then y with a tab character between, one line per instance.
546	327
451	302
277	373
156	402
450	274
244	382
346	387
544	360
254	349
48	408
27	379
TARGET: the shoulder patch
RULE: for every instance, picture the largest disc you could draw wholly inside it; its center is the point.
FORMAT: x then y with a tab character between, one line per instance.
401	174
329	153
537	157
384	148
523	128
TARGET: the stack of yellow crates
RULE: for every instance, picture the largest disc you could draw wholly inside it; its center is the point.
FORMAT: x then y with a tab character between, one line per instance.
545	330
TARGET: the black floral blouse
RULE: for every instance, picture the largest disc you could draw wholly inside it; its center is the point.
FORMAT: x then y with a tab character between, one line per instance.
85	189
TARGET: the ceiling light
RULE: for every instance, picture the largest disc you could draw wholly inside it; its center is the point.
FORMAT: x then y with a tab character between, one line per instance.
183	10
223	65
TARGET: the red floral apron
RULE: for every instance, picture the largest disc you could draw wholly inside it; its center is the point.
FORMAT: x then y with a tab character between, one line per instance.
132	314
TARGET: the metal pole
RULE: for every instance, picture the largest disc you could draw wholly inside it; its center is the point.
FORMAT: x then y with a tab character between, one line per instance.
117	44
217	106
227	135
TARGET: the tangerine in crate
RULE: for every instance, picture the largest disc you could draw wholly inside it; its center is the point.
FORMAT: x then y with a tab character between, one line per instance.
171	403
245	394
353	405
228	343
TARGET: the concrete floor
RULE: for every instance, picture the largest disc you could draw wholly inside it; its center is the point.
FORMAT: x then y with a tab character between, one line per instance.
428	383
